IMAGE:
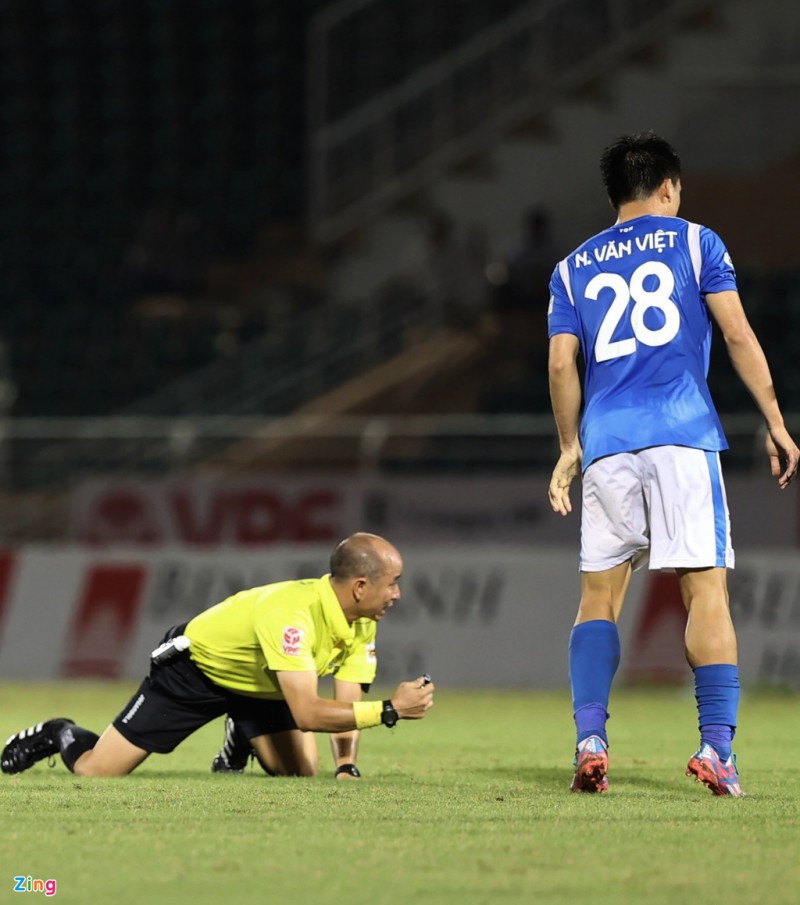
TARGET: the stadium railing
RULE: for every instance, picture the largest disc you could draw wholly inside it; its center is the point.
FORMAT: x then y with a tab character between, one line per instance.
43	460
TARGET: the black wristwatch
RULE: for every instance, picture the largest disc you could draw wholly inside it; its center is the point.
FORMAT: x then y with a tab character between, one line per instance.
389	716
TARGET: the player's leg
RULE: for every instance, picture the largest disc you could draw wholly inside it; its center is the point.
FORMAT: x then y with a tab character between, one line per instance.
603	593
690	529
594	652
710	635
594	648
711	650
613	533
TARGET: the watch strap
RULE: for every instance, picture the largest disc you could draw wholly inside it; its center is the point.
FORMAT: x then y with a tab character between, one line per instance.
389	716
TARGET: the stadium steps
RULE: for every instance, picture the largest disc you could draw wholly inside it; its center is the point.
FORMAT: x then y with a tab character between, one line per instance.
419	379
534	163
669	87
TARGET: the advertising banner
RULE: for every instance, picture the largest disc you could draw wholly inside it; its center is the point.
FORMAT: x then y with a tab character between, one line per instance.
270	511
485	615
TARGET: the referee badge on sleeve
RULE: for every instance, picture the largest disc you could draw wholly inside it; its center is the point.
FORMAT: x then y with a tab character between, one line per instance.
292	637
372	656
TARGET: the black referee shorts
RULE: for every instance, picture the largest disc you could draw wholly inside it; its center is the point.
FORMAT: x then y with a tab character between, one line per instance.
177	698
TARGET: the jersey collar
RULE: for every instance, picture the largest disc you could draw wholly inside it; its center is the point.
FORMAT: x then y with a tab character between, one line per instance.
340	628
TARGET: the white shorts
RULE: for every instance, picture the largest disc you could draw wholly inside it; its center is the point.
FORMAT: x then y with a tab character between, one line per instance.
668	501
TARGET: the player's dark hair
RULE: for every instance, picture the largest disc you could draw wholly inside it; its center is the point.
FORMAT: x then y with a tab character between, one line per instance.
358	556
634	166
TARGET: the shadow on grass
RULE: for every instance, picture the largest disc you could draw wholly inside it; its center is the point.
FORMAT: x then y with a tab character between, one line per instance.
558	779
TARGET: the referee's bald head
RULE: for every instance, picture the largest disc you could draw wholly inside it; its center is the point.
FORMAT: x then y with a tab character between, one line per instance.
362	555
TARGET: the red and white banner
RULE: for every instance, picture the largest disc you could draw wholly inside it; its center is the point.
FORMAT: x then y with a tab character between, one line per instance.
263	512
470	615
208	513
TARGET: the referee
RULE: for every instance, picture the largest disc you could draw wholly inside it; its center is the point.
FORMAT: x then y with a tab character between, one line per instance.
256	656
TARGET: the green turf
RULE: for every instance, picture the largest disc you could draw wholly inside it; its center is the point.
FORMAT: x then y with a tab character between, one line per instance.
469	806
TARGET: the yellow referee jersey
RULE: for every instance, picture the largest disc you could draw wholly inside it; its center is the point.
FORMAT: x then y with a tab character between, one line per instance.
292	625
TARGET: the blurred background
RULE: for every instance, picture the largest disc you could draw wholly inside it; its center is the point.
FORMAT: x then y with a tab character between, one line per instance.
276	270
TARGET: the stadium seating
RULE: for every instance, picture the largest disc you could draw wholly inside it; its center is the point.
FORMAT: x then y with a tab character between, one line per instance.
110	112
133	128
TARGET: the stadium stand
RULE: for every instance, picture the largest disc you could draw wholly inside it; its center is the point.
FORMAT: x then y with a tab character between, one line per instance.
154	175
141	143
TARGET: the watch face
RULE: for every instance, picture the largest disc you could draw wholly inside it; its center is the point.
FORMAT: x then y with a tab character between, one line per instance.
389	716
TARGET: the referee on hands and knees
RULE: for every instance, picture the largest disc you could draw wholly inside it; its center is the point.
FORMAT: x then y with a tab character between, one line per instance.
637	300
257	657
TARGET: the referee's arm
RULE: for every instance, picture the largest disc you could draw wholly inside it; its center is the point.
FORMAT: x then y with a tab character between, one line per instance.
311	712
410	701
344	745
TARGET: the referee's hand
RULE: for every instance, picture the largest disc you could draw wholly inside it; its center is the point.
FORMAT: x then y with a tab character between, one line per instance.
412	700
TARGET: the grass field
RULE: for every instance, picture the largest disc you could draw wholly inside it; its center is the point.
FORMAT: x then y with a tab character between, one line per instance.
469	806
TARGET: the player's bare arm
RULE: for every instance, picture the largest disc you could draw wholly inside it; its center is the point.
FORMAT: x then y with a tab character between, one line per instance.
565	396
411	700
751	365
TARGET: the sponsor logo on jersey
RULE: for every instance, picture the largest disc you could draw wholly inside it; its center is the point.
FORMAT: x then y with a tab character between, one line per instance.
291	640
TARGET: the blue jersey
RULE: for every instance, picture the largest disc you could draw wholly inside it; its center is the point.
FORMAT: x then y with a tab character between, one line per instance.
635	297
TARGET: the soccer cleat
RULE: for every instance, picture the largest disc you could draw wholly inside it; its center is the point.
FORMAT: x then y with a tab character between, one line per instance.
235	751
31	745
591	766
707	767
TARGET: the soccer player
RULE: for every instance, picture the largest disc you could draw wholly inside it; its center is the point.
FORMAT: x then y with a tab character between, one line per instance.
256	656
637	300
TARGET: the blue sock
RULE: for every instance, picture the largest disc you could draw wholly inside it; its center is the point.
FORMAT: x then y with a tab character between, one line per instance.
593	661
716	689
